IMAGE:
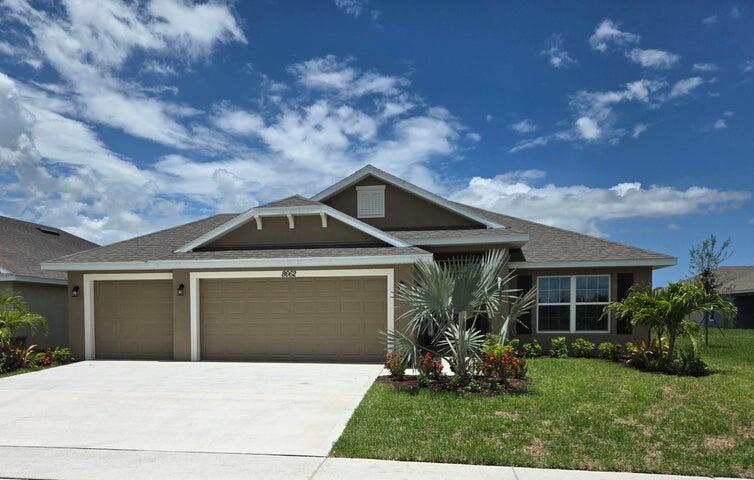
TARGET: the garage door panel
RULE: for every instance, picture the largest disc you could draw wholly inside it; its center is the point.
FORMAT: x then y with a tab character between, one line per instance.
133	319
311	318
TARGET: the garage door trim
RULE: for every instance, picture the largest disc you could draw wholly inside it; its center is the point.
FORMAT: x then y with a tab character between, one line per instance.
89	279
194	278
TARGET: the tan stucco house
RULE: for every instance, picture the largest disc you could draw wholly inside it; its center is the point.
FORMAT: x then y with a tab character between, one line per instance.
23	246
313	278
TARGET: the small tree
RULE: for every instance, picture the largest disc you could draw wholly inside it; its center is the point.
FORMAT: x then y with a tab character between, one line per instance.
15	316
665	309
445	301
704	262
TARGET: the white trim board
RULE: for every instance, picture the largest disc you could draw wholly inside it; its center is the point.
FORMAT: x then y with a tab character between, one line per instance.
404	185
517	238
260	212
27	279
283	262
195	294
88	299
654	263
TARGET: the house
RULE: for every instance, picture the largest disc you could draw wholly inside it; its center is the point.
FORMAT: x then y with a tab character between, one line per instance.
313	278
23	246
737	284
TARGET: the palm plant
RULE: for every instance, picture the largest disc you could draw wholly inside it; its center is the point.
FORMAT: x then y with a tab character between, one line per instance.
15	316
444	303
664	310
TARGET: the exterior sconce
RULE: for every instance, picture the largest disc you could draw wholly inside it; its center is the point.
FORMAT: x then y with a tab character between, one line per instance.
75	291
180	290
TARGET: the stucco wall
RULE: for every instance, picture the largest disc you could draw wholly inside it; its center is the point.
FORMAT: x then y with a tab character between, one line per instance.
403	210
49	301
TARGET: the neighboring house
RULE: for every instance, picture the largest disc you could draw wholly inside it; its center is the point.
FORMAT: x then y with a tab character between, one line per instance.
313	278
737	283
23	247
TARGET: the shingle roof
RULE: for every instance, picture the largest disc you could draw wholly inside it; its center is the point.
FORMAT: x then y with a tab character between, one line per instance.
478	233
292	201
294	253
24	246
738	278
549	244
148	247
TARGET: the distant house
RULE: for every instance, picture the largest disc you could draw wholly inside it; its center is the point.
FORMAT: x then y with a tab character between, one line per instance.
23	247
738	285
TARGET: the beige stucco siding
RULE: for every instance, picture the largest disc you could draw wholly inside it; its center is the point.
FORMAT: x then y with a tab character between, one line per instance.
403	210
641	276
50	301
307	231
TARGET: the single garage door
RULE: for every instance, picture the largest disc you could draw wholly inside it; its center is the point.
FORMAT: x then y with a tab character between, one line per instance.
305	319
133	319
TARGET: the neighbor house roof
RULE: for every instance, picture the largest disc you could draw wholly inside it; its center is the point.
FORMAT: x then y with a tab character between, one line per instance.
24	246
737	279
551	247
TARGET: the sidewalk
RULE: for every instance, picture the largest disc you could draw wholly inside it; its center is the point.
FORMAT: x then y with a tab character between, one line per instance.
39	463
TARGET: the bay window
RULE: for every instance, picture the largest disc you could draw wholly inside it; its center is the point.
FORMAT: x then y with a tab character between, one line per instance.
571	304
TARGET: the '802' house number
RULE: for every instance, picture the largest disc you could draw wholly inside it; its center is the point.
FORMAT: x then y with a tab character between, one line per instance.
288	274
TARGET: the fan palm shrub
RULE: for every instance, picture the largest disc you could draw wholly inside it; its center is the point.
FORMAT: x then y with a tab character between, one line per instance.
445	302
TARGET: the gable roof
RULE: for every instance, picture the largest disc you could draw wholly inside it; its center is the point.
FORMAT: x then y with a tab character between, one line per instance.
734	279
370	170
552	247
25	245
294	205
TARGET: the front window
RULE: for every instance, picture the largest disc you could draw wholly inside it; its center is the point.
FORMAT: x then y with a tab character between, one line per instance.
571	304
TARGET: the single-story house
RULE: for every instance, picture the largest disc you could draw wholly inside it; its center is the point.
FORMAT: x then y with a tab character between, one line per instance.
313	278
23	246
737	284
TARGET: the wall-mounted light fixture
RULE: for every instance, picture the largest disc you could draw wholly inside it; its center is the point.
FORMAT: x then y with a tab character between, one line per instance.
75	291
180	290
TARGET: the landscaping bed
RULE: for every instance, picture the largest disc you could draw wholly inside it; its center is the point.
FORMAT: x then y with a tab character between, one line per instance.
578	413
480	385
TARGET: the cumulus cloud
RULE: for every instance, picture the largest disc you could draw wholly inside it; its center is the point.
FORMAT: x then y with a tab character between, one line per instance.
652	58
608	34
352	7
639	128
524	126
747	66
711	20
588	128
556	54
685	86
589	208
720	124
330	74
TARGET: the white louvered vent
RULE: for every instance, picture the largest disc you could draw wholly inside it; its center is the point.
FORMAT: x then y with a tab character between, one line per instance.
370	201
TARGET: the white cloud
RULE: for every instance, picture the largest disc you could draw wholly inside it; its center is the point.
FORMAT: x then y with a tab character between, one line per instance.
639	128
590	207
685	86
489	117
158	68
728	113
735	12
332	75
673	227
747	66
556	54
711	20
473	136
352	7
532	143
608	34
238	122
652	58
524	126
720	124
706	67
588	128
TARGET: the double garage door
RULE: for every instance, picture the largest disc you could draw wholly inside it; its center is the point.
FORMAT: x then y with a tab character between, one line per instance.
266	319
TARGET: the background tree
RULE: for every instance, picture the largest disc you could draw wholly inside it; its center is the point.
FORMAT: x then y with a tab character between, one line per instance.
704	262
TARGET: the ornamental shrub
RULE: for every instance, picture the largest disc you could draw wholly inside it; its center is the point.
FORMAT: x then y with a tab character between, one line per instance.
610	351
62	355
582	347
501	362
558	347
429	368
396	364
532	349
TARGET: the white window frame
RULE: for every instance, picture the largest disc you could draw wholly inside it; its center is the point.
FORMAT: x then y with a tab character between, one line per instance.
370	190
572	304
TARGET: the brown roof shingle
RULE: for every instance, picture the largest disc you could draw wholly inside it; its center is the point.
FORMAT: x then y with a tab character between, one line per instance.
25	245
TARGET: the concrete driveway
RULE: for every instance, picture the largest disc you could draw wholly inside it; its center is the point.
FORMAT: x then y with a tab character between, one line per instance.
248	408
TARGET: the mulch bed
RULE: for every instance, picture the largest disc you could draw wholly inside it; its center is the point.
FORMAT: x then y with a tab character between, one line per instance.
410	383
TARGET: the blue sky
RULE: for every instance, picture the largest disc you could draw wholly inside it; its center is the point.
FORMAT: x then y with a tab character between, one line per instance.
627	120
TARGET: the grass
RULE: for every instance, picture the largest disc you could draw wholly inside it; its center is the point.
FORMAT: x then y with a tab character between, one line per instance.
580	414
23	370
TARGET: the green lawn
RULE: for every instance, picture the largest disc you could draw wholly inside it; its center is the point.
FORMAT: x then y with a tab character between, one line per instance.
580	414
19	372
